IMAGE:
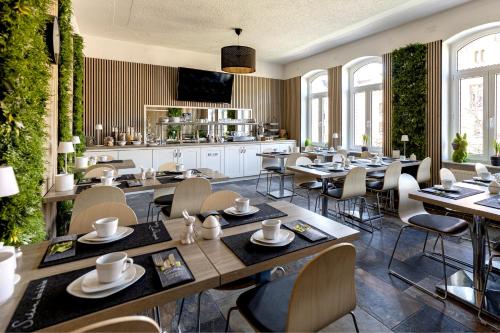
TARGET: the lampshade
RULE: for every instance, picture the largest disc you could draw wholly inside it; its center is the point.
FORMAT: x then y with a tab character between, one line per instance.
65	148
238	59
98	127
404	138
8	182
335	135
76	140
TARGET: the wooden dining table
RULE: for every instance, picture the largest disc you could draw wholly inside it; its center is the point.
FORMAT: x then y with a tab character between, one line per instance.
210	261
463	285
118	164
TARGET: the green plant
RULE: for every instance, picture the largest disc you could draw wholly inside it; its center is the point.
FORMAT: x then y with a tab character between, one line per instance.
308	142
24	83
496	146
174	112
231	114
364	137
459	148
409	88
78	93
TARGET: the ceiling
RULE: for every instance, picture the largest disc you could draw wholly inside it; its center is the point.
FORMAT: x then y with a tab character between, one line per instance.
280	30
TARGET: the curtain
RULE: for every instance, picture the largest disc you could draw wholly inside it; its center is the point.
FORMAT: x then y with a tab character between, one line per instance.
387	103
335	104
291	108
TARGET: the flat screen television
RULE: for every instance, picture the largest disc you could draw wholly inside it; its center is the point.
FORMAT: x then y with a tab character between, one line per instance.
204	86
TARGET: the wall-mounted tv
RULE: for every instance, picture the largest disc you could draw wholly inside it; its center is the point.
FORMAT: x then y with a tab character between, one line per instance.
204	86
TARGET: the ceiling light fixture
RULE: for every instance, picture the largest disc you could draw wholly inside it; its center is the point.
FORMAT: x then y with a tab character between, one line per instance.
238	59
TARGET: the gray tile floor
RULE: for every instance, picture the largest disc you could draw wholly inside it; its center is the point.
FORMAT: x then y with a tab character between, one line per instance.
385	303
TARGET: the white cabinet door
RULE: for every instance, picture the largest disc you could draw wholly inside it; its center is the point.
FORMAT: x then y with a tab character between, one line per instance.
212	158
251	162
141	157
233	161
190	157
161	156
109	152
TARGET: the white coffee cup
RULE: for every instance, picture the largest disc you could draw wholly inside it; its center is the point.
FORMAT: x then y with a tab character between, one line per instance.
102	158
108	173
111	266
179	167
337	166
485	175
317	161
107	181
81	162
187	173
105	227
447	183
242	204
8	278
271	229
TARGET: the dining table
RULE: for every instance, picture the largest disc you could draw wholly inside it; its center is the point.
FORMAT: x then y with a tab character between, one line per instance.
463	285
281	157
118	164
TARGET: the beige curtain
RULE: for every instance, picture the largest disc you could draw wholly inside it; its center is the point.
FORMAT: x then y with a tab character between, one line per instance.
335	104
291	108
387	103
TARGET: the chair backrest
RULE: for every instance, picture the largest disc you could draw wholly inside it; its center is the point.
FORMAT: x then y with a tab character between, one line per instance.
82	222
122	324
189	195
391	176
169	166
342	152
290	161
267	162
308	148
338	158
324	291
97	195
408	207
355	183
480	167
219	200
365	154
300	177
424	170
96	170
445	173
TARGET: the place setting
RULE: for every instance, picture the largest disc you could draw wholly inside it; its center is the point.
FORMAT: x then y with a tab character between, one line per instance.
449	190
106	230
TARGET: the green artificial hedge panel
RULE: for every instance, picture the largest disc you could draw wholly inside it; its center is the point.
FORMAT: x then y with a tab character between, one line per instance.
24	91
78	68
409	88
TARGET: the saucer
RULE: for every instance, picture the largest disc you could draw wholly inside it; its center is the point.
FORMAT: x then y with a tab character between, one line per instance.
75	287
91	237
479	179
101	184
182	177
452	189
91	284
259	237
233	211
288	236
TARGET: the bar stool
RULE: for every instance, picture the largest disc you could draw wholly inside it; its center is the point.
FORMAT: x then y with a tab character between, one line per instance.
386	186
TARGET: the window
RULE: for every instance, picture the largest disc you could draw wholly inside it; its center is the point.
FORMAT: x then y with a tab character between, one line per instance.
365	103
475	93
317	108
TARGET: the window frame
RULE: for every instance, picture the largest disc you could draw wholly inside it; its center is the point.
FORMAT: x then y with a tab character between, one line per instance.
310	97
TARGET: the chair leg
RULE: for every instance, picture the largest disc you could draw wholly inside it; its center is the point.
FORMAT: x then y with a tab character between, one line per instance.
158	216
149	210
483	296
354	321
180	315
198	321
157	316
425	241
229	317
308	199
258	180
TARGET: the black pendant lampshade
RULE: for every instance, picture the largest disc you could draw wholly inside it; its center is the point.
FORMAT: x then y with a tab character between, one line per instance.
238	59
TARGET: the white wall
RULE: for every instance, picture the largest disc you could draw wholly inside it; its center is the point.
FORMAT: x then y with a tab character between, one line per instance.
104	48
439	26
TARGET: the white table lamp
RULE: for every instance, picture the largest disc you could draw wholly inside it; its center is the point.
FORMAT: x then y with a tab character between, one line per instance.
98	128
8	182
404	139
65	148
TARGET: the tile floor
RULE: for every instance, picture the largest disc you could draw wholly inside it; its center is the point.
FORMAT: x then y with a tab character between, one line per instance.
385	303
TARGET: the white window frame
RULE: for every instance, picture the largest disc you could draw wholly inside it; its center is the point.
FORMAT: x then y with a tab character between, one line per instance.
488	74
310	97
368	89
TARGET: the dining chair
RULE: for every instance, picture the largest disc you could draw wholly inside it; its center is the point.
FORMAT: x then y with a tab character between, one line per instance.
96	170
97	195
321	293
424	171
290	161
446	174
219	200
268	167
188	195
308	149
122	324
413	215
480	168
365	154
343	152
82	223
162	196
386	186
303	181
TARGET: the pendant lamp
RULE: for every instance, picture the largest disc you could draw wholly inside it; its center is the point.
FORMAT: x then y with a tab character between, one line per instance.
238	59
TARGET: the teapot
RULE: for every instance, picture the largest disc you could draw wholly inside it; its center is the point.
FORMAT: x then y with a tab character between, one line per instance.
211	229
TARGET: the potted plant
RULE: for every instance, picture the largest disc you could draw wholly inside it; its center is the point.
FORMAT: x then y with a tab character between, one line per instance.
495	160
459	146
364	147
175	114
308	142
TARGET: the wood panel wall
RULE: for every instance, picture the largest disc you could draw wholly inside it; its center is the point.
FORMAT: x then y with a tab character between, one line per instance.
291	108
115	93
387	103
335	104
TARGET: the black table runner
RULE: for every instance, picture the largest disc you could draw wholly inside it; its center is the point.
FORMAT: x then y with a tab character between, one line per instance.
464	192
491	202
251	254
95	180
46	301
112	161
144	234
168	180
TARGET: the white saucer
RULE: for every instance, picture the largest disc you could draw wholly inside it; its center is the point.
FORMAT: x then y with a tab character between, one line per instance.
479	179
441	188
233	211
182	177
75	287
101	184
91	237
90	283
259	237
287	237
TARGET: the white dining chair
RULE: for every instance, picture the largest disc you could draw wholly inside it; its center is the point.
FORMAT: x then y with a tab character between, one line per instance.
219	200
95	196
446	174
480	168
386	186
424	171
305	182
122	324
97	170
188	195
268	167
82	223
162	196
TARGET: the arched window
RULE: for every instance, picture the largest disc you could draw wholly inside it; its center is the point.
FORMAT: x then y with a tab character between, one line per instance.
475	68
365	103
317	108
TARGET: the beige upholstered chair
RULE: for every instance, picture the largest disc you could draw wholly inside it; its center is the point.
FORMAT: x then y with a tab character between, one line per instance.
323	292
96	170
424	171
219	200
387	185
303	181
122	324
162	196
480	168
95	196
82	223
189	195
445	173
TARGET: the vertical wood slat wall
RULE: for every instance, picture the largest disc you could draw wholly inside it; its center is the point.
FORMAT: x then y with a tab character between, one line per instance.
335	104
387	103
115	93
433	107
291	108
